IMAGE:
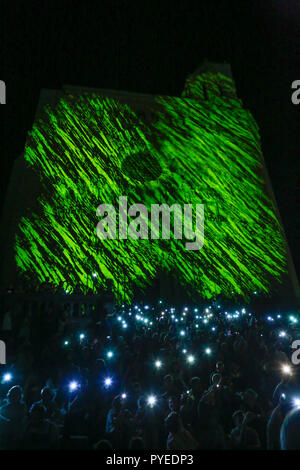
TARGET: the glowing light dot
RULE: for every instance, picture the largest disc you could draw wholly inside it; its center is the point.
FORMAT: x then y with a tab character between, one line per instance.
108	382
286	369
151	400
73	386
191	359
7	377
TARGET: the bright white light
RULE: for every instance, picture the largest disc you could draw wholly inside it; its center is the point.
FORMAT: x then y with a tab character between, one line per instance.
184	351
286	369
297	402
151	400
81	336
207	351
213	329
158	364
182	333
7	377
282	334
110	354
123	396
94	274
191	359
73	386
108	382
66	343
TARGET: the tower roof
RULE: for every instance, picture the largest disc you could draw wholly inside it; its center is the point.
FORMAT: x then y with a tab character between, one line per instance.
216	67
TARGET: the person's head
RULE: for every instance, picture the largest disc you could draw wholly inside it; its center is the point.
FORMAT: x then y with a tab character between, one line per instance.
173	422
14	394
104	444
137	443
285	402
168	382
237	417
290	431
136	386
250	397
220	367
37	414
216	379
209	398
47	394
141	402
174	403
100	365
196	385
117	403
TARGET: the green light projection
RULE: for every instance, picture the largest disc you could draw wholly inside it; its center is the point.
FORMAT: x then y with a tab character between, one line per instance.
90	150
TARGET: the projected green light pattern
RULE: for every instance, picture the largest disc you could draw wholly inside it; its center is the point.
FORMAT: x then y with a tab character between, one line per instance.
90	150
208	85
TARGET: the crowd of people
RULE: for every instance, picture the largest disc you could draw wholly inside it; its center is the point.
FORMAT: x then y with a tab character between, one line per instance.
210	376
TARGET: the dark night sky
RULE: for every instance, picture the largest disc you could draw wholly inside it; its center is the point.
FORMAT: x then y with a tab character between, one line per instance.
150	47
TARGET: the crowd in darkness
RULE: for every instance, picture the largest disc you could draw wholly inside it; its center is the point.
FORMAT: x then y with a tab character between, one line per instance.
211	376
